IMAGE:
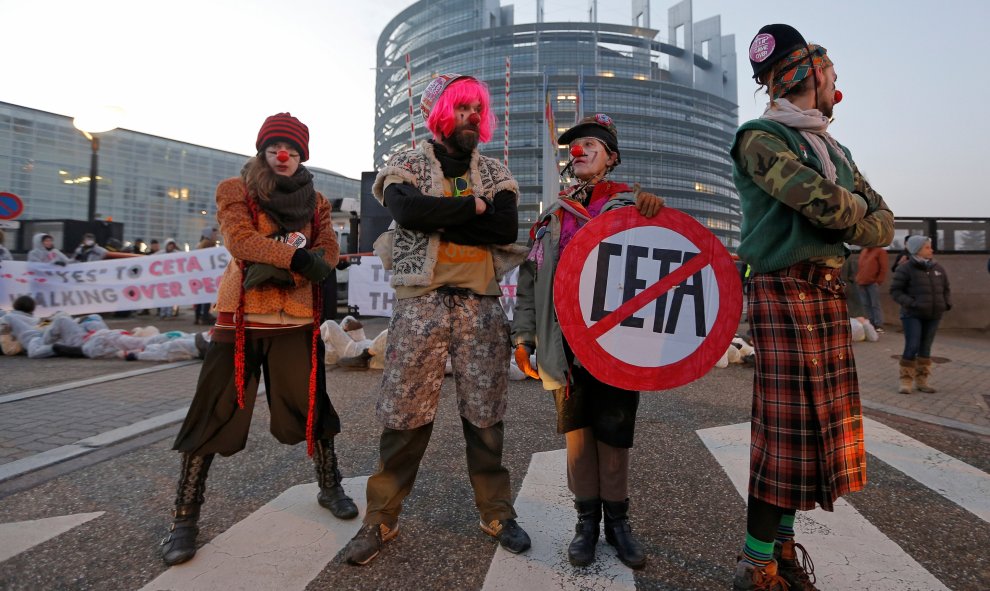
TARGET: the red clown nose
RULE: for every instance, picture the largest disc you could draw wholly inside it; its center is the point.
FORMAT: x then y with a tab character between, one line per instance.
838	96
282	156
577	152
474	119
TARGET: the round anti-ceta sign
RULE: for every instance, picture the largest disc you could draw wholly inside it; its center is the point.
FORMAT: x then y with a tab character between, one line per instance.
647	303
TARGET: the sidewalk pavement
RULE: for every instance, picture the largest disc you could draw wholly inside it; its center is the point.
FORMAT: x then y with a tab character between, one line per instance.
961	375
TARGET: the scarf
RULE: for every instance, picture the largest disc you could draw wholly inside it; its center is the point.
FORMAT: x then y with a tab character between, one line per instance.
453	164
292	202
813	126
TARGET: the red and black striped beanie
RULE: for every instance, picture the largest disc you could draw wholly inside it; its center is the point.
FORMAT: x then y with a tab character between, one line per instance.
285	128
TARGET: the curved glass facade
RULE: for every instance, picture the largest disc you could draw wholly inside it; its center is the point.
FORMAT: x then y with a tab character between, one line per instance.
675	110
156	187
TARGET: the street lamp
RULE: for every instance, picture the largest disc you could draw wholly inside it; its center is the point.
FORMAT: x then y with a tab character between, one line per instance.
89	124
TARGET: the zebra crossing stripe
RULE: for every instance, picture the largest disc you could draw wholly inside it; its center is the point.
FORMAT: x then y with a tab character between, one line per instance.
849	551
283	545
19	536
957	481
546	511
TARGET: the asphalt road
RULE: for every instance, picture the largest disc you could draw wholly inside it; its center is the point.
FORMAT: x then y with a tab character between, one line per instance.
685	508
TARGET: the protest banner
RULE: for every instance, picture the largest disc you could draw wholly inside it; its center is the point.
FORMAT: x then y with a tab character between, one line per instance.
369	291
116	285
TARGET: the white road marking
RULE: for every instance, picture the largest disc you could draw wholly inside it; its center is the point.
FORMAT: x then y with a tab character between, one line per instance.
957	481
546	511
21	535
849	551
281	546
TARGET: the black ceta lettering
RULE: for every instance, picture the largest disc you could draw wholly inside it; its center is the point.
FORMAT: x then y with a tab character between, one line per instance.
694	289
606	250
631	283
666	256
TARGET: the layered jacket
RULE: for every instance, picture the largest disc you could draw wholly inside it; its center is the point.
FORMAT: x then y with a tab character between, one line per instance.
534	320
259	245
414	253
790	211
922	289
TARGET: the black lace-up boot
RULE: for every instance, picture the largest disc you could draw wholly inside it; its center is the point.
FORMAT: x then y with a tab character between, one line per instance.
332	495
180	543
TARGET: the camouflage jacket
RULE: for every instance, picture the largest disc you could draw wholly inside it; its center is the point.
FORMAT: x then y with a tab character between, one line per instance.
791	212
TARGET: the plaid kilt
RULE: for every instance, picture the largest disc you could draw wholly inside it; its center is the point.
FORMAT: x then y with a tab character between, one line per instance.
807	428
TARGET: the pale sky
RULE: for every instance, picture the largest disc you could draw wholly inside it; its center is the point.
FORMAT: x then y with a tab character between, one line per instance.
209	71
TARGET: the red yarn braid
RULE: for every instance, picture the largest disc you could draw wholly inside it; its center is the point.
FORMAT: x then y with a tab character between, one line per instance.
317	316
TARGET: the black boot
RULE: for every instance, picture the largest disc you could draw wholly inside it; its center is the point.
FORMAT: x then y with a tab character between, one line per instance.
332	495
180	543
581	552
619	534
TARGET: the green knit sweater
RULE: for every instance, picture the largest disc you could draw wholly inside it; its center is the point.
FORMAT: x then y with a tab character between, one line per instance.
806	215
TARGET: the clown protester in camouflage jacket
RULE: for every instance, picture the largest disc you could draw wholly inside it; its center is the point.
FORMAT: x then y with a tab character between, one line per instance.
802	198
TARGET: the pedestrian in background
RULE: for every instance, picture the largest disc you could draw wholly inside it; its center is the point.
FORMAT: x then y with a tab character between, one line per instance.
921	287
89	251
44	251
870	275
4	253
277	229
208	239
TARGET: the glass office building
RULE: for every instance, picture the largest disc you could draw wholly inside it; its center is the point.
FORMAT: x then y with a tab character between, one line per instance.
673	99
157	187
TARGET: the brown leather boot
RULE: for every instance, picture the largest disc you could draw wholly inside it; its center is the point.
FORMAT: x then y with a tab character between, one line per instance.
907	376
799	574
751	578
923	371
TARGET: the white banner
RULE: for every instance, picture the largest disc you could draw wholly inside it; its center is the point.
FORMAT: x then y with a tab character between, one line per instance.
368	289
112	285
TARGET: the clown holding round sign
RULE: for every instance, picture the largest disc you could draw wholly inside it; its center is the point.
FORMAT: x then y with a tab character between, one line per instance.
613	293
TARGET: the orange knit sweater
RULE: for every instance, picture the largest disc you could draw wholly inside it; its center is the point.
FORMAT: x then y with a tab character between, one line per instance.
247	243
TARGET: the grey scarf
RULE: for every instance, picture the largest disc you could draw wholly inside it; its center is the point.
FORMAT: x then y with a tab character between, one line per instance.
813	126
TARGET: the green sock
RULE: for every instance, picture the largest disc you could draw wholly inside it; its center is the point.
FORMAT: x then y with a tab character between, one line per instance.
756	552
785	531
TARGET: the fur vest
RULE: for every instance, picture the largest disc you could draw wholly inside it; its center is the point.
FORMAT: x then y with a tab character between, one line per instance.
414	254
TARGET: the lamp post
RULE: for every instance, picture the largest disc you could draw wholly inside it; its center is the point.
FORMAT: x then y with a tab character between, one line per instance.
92	123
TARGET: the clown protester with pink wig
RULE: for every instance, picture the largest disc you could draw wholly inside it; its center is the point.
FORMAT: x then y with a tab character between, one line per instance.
455	224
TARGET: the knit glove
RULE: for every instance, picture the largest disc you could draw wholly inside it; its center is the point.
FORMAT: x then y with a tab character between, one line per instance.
523	351
261	273
310	264
648	204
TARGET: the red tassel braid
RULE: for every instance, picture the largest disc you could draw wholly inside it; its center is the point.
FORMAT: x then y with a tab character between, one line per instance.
239	332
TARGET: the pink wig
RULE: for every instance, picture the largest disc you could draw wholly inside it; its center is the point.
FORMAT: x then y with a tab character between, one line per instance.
460	92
